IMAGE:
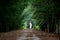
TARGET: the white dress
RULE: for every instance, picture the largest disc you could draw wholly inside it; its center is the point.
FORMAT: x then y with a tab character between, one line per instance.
30	25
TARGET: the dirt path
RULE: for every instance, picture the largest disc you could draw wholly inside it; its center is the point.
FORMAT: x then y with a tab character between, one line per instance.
28	35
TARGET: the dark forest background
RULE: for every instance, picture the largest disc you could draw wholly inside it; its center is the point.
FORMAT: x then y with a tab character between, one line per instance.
46	14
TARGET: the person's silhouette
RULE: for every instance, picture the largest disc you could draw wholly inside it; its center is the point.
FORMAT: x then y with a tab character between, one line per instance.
30	24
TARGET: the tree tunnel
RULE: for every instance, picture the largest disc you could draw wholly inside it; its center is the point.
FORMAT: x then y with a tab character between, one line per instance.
44	14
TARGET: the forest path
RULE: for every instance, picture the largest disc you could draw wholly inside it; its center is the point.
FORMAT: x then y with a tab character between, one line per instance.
28	34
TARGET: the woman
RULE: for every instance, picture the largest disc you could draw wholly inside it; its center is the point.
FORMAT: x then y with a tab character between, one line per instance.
30	24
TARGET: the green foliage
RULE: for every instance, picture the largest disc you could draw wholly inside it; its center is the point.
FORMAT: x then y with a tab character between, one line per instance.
10	14
36	27
14	13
